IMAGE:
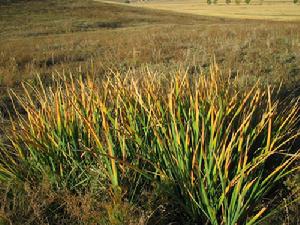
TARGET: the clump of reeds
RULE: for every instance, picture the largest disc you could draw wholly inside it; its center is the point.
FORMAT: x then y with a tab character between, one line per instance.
222	149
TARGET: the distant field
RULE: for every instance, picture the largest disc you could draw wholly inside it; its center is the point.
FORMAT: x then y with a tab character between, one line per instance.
271	10
43	36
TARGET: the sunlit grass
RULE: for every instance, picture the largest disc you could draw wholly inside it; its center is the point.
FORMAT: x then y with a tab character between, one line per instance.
220	146
266	10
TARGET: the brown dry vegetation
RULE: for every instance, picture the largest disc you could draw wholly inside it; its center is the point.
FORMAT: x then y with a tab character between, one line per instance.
42	37
39	37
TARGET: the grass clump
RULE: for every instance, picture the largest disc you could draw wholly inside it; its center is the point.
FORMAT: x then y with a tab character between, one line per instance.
225	150
219	147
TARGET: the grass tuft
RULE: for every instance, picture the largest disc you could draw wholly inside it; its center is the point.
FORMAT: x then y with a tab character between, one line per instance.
220	147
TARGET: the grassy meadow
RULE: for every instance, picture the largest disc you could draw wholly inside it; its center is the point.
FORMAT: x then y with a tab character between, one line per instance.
255	9
117	114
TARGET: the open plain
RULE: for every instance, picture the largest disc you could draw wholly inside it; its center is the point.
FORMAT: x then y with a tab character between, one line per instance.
263	10
157	112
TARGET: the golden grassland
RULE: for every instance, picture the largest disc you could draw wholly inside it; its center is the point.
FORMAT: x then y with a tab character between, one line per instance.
127	37
274	10
108	131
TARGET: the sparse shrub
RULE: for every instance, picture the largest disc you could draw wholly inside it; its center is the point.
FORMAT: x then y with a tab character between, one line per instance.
237	2
247	1
295	1
209	2
36	205
228	1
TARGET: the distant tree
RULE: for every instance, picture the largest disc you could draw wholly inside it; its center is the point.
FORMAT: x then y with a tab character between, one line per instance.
215	1
295	1
209	2
247	1
228	1
237	2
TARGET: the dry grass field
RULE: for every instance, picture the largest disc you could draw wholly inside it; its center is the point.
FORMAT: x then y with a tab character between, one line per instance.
109	131
270	10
